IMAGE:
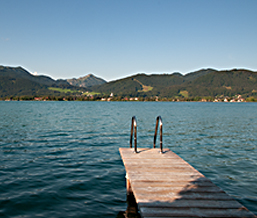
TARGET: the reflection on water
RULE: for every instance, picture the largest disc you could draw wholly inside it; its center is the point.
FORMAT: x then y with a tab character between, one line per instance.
132	208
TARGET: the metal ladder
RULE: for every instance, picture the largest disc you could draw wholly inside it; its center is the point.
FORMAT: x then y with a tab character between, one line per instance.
134	130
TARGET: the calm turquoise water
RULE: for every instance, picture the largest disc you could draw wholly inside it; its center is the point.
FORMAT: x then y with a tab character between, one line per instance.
61	159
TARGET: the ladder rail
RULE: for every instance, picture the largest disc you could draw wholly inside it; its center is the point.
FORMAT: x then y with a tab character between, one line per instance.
133	128
158	120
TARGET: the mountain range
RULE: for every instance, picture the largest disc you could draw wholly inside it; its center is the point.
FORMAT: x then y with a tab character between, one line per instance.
16	81
202	83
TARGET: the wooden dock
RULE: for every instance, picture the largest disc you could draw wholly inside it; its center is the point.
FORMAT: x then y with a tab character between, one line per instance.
164	185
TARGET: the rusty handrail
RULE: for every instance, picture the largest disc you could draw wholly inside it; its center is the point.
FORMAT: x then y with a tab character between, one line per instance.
158	120
133	127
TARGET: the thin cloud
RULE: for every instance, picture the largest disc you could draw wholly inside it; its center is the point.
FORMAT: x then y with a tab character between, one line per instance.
5	39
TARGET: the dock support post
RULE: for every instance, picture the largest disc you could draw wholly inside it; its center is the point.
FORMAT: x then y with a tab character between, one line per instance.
132	208
128	185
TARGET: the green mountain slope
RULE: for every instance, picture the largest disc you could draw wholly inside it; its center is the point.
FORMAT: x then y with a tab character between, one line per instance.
140	84
194	75
86	81
20	73
202	83
206	82
227	83
16	81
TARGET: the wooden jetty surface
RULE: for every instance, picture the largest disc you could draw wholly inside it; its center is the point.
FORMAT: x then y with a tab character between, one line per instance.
164	185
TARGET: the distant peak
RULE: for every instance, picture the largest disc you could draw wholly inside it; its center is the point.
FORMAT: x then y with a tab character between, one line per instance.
87	76
86	81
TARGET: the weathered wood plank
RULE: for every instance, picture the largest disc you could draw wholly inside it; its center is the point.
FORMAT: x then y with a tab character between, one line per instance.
170	178
193	184
194	212
174	189
164	185
170	197
230	204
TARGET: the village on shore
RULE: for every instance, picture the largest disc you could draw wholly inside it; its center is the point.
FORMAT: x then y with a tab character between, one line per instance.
112	97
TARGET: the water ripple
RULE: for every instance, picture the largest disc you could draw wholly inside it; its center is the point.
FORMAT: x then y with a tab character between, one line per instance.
61	159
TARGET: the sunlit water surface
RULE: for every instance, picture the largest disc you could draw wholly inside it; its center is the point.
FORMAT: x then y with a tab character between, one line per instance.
61	159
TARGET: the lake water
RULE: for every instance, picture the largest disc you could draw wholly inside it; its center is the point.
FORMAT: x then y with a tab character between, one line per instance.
61	159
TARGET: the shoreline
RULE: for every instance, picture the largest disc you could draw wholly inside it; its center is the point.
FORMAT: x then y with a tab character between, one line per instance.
125	101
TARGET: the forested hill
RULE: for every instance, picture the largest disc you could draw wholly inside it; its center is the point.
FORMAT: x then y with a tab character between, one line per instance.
16	81
206	82
203	83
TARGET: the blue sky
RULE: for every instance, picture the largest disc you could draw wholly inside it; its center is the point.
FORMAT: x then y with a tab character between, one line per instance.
115	39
